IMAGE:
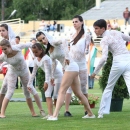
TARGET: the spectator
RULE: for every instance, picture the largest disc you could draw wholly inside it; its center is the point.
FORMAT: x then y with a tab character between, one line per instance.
89	32
43	26
108	25
54	26
33	35
126	15
48	26
17	40
115	25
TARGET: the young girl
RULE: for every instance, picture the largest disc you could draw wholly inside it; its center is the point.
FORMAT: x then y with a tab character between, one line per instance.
44	62
17	67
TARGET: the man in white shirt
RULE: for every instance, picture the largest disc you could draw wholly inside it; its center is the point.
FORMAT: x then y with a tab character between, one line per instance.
112	41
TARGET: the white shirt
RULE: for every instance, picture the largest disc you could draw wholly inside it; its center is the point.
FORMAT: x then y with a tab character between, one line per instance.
112	41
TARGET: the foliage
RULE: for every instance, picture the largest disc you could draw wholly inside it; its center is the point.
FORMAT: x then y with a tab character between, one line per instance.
93	99
120	89
74	100
47	9
41	79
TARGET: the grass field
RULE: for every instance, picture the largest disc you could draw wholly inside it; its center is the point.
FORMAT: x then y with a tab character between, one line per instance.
18	117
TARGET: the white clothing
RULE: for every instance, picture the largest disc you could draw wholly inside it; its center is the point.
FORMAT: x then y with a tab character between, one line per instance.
77	52
120	66
17	67
30	61
45	64
114	41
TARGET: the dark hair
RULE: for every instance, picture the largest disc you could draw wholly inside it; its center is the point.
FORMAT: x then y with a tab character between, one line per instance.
5	42
54	22
18	37
48	45
101	23
39	46
33	39
92	41
5	26
81	31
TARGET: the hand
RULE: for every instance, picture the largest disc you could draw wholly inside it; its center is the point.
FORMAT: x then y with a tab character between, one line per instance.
52	82
67	61
45	87
93	75
29	89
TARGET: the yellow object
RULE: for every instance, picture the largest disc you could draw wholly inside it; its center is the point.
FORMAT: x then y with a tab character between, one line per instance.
128	46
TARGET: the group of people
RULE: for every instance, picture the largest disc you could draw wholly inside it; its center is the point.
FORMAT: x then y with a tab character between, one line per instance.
72	76
48	26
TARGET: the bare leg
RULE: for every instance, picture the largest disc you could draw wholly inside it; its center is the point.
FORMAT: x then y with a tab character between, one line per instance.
55	100
77	91
49	105
67	101
30	105
1	99
4	106
67	80
38	102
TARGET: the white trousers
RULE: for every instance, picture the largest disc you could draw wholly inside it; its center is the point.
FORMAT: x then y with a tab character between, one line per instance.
9	83
120	66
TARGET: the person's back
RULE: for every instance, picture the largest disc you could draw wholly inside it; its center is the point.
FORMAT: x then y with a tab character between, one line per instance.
115	41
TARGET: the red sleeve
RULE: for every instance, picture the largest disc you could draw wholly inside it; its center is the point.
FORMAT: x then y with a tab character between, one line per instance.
0	51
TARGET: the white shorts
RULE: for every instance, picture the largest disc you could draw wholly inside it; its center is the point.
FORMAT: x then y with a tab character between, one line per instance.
73	66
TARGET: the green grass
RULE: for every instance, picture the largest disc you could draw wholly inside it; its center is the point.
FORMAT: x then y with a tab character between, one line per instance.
18	117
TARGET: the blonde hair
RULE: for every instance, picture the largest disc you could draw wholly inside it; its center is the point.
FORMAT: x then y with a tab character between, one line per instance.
5	42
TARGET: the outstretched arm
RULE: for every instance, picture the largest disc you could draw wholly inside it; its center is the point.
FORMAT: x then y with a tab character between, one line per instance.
104	46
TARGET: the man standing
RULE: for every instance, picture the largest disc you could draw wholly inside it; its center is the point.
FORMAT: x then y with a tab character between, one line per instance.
112	41
126	15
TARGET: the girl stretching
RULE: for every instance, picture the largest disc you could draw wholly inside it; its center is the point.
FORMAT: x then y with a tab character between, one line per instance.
17	67
44	62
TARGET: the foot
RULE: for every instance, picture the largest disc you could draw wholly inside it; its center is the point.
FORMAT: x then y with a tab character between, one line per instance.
100	116
2	116
87	116
51	118
42	112
46	117
35	116
67	114
85	113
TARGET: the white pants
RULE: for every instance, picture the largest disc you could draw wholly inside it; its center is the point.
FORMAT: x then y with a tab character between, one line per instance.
9	83
55	89
120	66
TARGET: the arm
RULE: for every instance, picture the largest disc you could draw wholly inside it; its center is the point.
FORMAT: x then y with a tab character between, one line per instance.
30	83
47	67
53	67
104	56
1	66
21	46
125	37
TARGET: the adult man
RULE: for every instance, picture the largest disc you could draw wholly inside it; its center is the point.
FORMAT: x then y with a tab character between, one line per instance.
126	15
112	41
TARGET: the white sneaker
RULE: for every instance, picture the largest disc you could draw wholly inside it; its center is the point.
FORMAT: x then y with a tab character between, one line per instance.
100	116
87	116
46	117
51	118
